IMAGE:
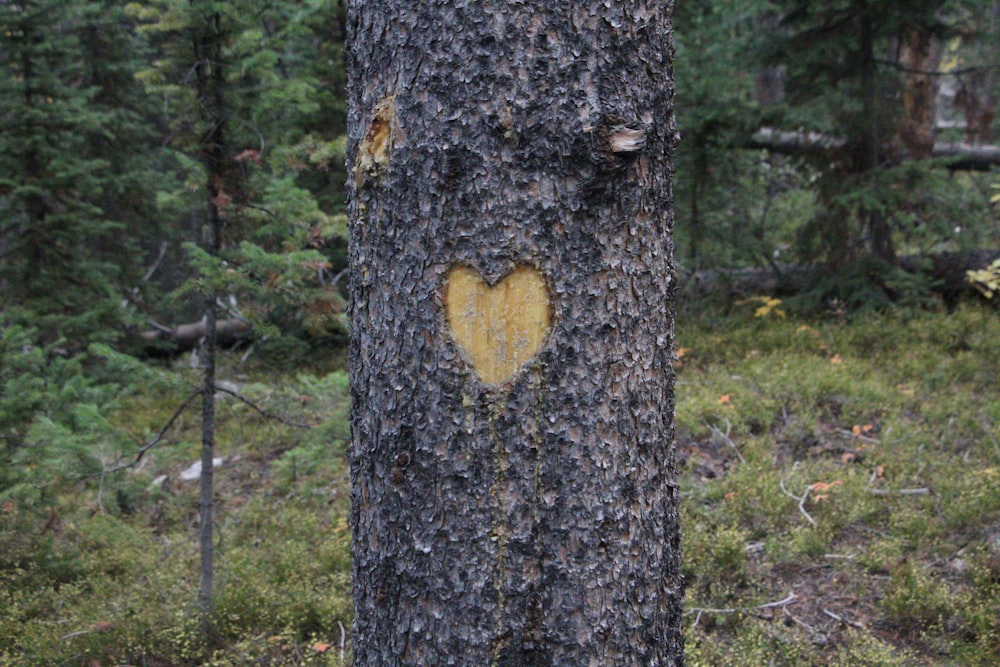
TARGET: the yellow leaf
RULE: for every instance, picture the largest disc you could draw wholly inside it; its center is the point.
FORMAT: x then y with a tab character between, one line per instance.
859	430
825	486
987	280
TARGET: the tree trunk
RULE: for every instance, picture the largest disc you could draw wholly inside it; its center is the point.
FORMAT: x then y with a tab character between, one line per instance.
210	81
919	58
512	459
206	497
879	229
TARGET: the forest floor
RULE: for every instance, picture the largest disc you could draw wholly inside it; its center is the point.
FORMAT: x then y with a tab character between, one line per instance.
841	489
841	506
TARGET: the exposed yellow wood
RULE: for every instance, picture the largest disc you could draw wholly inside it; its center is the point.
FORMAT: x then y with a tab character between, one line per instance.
376	144
500	327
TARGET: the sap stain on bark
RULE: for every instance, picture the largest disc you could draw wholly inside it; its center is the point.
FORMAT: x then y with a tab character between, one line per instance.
376	146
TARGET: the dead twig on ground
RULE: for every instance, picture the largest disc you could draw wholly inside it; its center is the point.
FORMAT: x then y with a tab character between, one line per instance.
792	597
798	621
860	436
717	432
921	491
801	500
841	619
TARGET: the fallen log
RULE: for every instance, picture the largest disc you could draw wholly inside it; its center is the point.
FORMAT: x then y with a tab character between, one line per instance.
945	274
186	337
959	156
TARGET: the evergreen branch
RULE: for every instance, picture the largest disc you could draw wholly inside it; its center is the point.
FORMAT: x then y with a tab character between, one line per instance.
155	440
255	207
13	227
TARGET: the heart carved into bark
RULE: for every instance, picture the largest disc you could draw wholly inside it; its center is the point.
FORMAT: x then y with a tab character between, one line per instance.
499	326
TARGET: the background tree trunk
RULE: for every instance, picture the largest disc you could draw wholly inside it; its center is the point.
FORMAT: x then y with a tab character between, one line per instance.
211	86
525	512
879	229
919	59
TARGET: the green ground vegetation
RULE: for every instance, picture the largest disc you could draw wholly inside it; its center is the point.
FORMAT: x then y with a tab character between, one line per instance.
841	485
101	568
841	506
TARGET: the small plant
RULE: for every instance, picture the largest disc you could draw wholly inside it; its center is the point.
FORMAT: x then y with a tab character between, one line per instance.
769	306
987	280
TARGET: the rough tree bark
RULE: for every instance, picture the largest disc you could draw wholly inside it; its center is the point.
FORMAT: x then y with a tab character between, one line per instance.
512	460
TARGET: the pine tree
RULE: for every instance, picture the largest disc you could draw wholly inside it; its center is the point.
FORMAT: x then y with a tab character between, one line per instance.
841	82
238	93
69	171
713	42
280	207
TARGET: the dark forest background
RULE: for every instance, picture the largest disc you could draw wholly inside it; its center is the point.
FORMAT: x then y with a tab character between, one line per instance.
853	134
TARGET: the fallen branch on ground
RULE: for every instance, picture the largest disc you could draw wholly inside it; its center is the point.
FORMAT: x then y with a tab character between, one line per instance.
726	439
264	413
792	597
801	500
921	491
841	619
